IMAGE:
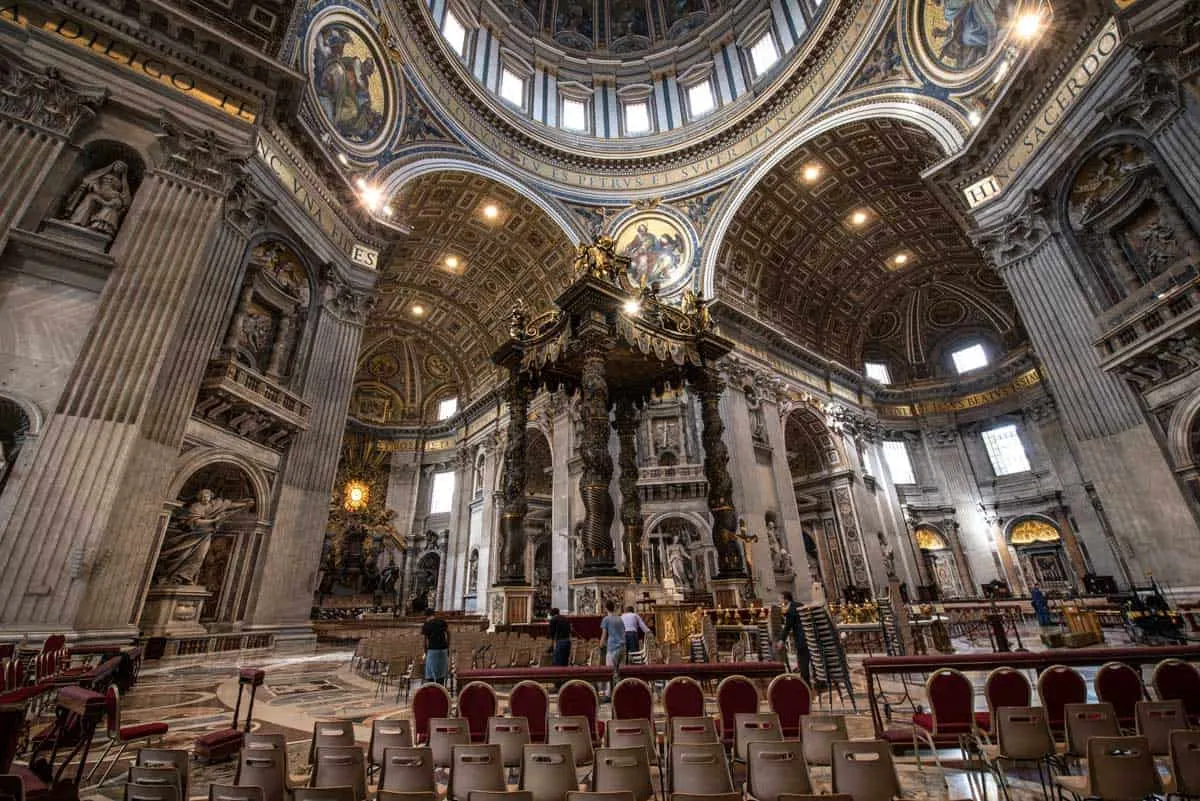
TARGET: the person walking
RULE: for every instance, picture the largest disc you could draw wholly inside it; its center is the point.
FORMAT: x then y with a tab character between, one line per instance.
560	636
1041	606
635	628
791	625
437	647
614	631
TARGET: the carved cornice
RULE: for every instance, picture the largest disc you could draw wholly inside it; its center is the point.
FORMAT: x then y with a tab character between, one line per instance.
1041	409
941	436
246	206
1018	235
198	157
43	98
1155	99
852	422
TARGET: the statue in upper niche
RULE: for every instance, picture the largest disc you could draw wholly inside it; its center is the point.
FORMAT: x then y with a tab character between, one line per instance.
101	199
184	549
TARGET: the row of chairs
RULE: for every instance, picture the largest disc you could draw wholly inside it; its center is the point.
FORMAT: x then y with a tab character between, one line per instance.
952	718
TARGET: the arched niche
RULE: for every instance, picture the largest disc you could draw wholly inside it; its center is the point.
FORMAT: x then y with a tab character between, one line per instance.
18	422
940	561
216	525
99	190
268	331
665	531
1039	544
539	465
811	448
423	594
1128	219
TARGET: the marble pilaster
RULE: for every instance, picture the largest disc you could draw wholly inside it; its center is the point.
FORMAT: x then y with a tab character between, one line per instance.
785	495
459	543
560	508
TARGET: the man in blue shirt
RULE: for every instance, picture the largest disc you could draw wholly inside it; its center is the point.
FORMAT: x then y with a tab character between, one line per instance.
613	630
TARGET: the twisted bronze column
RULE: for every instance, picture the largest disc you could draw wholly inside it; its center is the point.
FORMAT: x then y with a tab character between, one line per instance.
730	562
631	504
512	517
596	534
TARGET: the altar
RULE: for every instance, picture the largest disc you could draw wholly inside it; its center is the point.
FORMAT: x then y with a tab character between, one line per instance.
617	345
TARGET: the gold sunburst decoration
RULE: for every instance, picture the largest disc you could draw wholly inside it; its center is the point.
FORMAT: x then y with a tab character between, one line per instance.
356	496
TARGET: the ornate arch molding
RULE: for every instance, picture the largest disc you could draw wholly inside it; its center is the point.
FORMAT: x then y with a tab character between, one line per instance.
938	121
304	255
1034	517
696	519
196	460
1179	432
34	414
394	179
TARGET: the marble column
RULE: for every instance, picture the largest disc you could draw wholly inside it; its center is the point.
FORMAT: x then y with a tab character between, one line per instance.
730	563
459	544
790	529
750	494
561	449
82	532
42	112
289	574
1114	447
625	422
512	518
598	556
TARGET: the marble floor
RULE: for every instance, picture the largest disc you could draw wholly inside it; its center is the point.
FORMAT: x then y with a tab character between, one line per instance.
197	695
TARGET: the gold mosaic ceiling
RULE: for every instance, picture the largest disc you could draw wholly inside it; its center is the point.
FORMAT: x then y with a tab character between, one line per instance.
459	313
794	257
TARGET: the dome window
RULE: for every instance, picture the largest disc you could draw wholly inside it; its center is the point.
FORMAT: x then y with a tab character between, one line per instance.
878	371
447	408
895	454
1005	450
969	358
700	98
574	115
764	54
455	33
512	87
637	117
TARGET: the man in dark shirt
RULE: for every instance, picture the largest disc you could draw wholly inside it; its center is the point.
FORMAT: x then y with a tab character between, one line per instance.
792	625
437	647
560	635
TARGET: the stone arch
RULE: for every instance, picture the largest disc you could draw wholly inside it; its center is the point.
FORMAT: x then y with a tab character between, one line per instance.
20	420
1043	551
810	446
197	460
393	181
1185	418
539	460
662	529
939	125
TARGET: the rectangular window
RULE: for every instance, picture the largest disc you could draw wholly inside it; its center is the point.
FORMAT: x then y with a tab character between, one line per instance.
637	118
447	407
1005	450
895	453
454	32
764	54
574	115
512	87
878	371
442	497
700	98
971	358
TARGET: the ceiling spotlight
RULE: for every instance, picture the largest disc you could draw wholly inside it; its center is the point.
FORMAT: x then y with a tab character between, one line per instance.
1029	25
858	218
812	172
632	307
343	159
452	262
372	196
491	211
974	117
900	258
417	310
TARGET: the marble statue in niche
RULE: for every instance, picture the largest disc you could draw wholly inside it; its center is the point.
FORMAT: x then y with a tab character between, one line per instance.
184	549
679	565
781	558
473	573
101	199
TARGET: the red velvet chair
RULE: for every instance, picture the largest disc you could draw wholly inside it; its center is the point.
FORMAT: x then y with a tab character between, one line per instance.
683	697
430	701
1058	686
578	698
529	700
952	719
476	703
632	699
1004	686
735	694
123	735
1176	680
1120	685
789	697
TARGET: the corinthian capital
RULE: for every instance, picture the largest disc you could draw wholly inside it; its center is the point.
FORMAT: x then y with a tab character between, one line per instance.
197	157
1017	235
43	98
346	302
1156	95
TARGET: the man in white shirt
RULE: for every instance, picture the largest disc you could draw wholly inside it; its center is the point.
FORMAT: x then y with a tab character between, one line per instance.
634	626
